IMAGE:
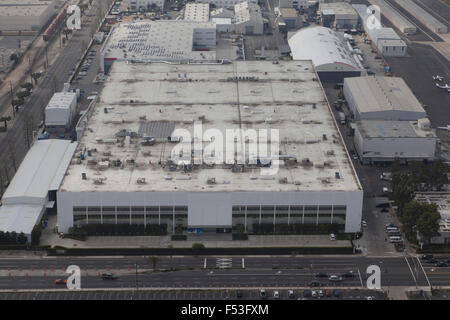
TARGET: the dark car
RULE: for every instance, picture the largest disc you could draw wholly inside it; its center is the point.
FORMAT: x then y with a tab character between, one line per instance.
441	264
315	283
109	276
239	294
448	260
349	274
426	257
307	293
321	275
384	210
336	293
432	260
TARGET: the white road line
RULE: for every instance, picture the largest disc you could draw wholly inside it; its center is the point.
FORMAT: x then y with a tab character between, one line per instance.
426	277
431	10
360	278
415	281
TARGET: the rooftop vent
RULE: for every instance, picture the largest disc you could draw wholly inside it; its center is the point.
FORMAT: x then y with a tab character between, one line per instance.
211	181
141	181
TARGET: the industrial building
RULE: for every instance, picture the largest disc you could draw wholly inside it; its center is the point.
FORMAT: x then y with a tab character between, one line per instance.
297	3
127	169
338	15
378	141
423	16
145	5
25	15
290	18
387	41
442	201
328	51
398	20
229	4
33	188
223	18
196	12
166	40
248	18
381	98
60	111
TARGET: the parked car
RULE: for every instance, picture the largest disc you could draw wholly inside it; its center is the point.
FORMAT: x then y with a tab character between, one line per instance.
332	237
314	294
239	293
364	223
276	295
291	294
321	293
426	257
307	293
370	298
384	210
262	293
327	293
336	293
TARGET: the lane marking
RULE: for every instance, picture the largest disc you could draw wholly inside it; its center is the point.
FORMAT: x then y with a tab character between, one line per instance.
415	281
426	277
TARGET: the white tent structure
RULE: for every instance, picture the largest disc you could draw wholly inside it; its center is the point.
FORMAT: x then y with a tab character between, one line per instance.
328	51
41	171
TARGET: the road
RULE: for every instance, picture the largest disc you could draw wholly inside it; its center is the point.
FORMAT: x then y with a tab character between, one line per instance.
190	272
52	81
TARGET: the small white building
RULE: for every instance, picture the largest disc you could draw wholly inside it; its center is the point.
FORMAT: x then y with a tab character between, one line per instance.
145	5
60	111
381	98
24	15
442	201
388	42
248	18
196	12
33	188
379	141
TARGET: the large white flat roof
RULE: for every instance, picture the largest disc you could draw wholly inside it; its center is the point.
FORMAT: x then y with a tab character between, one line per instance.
148	40
41	170
287	96
372	94
61	100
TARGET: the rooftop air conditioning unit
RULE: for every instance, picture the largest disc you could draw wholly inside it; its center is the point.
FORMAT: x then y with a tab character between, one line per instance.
141	181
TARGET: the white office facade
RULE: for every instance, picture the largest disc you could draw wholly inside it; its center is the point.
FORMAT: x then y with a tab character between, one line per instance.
25	15
136	5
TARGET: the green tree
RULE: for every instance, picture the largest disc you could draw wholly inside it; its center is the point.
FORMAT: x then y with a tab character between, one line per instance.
23	94
36	235
14	57
36	76
154	260
428	224
197	247
5	121
27	85
402	189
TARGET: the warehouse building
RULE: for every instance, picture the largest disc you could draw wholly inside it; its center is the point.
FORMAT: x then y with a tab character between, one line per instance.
387	41
145	5
60	111
328	51
423	16
290	18
198	12
380	141
33	188
381	98
127	168
25	15
248	18
338	15
167	40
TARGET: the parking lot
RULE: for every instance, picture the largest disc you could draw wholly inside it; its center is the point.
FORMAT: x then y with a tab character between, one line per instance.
190	295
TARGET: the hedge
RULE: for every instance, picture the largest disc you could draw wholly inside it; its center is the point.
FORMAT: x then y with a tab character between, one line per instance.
121	229
297	228
12	238
240	236
179	237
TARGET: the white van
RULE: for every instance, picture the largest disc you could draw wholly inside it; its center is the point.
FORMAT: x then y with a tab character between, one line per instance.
395	239
392	229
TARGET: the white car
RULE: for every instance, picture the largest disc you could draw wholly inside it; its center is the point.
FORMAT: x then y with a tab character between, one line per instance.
370	298
385	190
335	277
332	237
364	223
276	295
314	294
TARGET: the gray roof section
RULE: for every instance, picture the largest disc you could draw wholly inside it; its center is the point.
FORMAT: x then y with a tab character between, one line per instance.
374	94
